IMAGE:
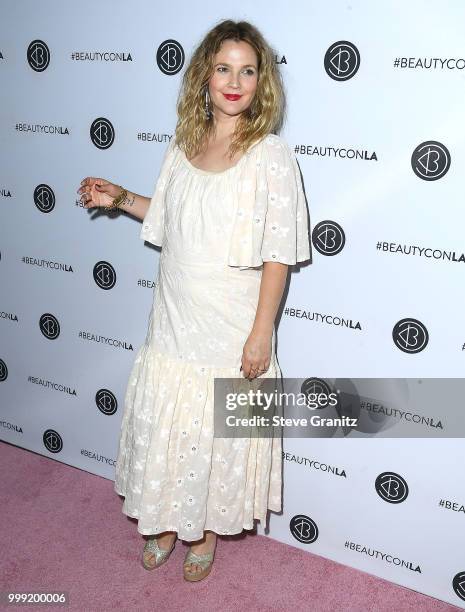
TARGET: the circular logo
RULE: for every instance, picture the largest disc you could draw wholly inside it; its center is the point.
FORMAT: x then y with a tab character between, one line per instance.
44	198
391	487
106	402
52	441
315	386
328	237
102	133
431	160
49	326
458	584
303	528
342	60
38	55
104	275
170	57
3	371
410	335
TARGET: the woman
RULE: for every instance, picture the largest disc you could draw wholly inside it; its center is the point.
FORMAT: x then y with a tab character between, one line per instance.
229	213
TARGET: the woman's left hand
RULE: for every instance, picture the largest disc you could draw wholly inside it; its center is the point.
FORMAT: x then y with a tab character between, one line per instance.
256	355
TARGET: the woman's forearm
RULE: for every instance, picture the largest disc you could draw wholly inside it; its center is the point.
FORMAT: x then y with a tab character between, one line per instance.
272	285
135	205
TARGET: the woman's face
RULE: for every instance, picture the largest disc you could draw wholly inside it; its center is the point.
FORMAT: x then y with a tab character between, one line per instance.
235	71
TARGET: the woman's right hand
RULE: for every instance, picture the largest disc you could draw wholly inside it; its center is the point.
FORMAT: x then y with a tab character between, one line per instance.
97	192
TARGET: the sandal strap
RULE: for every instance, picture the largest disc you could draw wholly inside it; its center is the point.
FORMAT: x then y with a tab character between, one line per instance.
203	560
152	546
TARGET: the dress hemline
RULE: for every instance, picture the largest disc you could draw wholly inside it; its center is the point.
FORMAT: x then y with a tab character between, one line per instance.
263	522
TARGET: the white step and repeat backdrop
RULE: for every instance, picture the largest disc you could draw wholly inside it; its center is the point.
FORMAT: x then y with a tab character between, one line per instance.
375	113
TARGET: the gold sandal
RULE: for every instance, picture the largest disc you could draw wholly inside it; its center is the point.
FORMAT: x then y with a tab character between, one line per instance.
205	561
161	555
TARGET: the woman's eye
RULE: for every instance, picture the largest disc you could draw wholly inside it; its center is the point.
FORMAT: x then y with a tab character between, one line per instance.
248	71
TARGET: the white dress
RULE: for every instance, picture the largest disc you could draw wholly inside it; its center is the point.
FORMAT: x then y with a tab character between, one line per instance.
215	230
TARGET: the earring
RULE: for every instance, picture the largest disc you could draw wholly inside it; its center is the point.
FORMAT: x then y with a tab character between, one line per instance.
208	112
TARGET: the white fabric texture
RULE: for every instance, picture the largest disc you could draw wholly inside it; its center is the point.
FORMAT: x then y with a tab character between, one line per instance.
271	220
216	229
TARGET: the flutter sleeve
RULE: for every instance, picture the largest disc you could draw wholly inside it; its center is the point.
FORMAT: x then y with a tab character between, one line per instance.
286	225
153	228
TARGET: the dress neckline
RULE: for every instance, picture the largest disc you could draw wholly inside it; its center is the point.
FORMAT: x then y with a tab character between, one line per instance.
220	172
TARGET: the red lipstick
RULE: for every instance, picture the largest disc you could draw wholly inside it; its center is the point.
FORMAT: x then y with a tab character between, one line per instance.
232	96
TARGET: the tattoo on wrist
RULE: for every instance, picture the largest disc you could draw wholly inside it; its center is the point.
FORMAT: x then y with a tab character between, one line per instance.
128	200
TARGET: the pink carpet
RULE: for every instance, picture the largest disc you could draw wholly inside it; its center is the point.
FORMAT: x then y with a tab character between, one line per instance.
63	529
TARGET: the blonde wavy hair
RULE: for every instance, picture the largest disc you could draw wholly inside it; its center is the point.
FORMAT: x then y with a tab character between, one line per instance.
263	116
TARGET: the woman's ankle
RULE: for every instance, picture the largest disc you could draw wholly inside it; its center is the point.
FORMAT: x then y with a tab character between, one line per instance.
208	539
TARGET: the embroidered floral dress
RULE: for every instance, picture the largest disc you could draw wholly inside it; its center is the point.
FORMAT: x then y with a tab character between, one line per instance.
216	229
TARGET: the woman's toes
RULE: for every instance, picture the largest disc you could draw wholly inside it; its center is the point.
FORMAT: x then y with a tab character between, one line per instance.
149	557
